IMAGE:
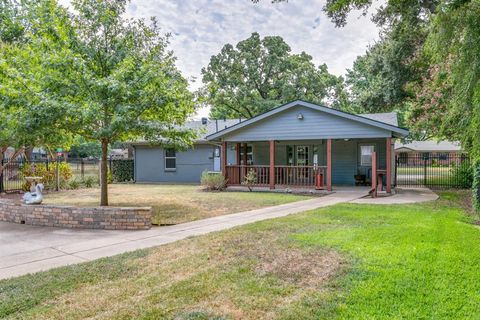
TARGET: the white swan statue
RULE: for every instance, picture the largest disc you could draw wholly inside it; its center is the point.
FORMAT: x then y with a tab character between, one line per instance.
34	197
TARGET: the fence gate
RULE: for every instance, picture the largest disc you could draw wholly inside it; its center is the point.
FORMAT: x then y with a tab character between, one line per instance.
433	171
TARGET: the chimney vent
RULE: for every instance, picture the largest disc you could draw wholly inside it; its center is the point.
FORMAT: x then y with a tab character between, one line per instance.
204	121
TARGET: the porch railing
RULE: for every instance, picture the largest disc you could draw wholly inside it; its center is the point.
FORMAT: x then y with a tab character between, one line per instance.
297	176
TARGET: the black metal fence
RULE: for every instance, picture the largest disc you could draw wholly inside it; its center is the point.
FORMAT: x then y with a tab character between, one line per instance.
13	176
433	170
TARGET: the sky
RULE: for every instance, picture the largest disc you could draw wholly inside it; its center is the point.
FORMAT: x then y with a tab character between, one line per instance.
200	28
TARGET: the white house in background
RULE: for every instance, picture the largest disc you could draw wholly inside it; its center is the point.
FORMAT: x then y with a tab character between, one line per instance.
417	151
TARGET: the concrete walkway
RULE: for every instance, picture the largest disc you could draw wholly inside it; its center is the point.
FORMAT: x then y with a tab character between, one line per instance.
402	196
28	249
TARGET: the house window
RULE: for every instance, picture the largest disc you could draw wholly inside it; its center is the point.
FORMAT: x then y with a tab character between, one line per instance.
249	155
170	160
426	155
302	155
366	155
442	156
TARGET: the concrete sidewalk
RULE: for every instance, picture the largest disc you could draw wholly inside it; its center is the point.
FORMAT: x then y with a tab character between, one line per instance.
28	249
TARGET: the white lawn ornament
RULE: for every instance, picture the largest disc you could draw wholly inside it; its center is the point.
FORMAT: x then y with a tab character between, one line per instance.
34	197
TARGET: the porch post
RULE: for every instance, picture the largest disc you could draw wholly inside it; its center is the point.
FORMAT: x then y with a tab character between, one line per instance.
329	164
272	164
389	165
237	150
374	175
224	159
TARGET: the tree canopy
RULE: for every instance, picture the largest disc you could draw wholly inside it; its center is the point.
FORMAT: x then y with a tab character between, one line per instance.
260	73
104	77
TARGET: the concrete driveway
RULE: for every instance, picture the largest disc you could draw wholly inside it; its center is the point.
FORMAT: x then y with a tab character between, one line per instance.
28	249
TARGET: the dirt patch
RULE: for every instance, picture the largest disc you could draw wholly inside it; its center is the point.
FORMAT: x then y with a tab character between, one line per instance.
300	267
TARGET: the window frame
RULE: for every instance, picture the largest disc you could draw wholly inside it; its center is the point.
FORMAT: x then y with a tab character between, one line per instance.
361	155
166	157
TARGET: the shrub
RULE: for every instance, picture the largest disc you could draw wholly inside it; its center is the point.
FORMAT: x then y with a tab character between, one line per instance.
250	179
48	174
213	180
122	170
476	187
74	184
90	182
463	174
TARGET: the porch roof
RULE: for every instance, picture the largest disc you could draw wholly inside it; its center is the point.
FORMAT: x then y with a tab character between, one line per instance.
378	123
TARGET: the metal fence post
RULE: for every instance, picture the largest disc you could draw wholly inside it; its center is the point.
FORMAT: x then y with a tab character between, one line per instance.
57	176
2	187
424	171
82	168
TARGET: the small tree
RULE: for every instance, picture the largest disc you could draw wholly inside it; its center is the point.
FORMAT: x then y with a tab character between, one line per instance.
250	179
106	78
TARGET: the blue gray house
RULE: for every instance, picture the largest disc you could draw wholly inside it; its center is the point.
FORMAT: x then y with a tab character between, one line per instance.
296	144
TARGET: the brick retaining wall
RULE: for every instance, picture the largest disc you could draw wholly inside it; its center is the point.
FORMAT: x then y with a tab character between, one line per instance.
110	218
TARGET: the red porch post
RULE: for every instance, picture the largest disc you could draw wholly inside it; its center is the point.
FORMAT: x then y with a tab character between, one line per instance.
374	174
389	165
329	164
237	150
224	159
272	164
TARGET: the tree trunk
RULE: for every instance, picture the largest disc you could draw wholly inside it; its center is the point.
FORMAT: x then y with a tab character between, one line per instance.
103	175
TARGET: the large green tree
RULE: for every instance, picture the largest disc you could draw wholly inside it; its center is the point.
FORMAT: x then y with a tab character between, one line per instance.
21	97
260	73
109	79
448	98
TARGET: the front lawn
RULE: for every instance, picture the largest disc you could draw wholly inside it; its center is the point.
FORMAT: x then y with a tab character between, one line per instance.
349	261
172	204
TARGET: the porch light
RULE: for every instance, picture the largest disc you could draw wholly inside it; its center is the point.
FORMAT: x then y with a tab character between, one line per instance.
300	116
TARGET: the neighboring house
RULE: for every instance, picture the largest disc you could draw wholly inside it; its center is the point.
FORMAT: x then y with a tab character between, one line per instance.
296	144
417	152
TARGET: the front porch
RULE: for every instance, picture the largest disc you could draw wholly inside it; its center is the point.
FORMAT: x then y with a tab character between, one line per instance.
310	164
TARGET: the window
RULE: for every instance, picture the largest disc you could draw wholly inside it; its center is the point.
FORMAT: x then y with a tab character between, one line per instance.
302	155
442	156
366	155
249	155
170	160
425	155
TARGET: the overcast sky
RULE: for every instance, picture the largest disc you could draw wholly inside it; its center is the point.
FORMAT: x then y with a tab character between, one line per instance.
200	28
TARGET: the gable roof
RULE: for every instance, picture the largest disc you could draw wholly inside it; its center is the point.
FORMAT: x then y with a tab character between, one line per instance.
386	121
429	145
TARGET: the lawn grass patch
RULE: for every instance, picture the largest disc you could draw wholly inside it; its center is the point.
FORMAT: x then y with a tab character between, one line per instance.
349	261
173	204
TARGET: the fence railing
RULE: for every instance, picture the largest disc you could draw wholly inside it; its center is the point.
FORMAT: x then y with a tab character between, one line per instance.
298	176
433	171
12	178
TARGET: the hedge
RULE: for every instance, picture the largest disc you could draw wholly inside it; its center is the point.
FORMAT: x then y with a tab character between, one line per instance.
476	186
122	170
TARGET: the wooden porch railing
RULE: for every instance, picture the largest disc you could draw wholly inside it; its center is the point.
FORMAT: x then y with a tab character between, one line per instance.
297	176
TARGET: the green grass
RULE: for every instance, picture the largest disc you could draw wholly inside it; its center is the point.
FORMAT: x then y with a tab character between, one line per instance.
172	204
419	261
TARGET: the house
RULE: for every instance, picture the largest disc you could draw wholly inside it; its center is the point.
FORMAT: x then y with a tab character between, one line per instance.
417	152
297	144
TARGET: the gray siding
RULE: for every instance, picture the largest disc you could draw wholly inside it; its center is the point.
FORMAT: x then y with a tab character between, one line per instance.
150	164
315	125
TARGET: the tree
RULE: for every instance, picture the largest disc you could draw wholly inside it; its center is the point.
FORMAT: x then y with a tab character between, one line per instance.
21	126
259	74
448	98
110	79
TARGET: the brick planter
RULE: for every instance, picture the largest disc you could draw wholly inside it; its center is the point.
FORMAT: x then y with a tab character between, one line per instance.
109	218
